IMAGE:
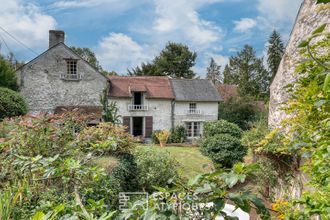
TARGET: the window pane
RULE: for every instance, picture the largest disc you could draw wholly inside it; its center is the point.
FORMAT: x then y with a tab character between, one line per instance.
196	129
189	129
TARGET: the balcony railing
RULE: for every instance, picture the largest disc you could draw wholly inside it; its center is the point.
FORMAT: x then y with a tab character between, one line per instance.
73	77
193	112
137	108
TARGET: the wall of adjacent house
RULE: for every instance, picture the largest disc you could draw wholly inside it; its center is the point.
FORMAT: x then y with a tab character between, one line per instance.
308	19
159	109
209	112
43	89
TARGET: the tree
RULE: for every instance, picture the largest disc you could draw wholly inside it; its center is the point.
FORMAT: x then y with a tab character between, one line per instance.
88	55
148	69
174	60
227	77
8	77
248	72
274	53
213	72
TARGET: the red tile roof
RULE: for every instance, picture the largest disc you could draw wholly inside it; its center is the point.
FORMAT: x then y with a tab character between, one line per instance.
154	86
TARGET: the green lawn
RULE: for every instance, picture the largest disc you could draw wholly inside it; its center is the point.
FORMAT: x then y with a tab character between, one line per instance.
191	161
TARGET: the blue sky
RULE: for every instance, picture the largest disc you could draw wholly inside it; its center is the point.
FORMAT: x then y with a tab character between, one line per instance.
124	33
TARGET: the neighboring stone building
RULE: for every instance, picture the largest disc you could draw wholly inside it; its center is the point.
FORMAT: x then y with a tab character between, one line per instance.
155	102
308	19
59	78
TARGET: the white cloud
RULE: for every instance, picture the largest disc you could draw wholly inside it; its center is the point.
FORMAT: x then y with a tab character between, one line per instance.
182	21
25	22
279	10
218	58
245	24
118	52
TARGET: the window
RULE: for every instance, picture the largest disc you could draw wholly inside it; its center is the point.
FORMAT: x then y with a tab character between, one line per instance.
193	128
192	107
71	67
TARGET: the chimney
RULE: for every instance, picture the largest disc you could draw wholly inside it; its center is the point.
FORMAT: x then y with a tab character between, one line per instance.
55	37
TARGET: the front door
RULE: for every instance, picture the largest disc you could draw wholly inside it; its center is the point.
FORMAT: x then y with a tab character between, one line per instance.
137	126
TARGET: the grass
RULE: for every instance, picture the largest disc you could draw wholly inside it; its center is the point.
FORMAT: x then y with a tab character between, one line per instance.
191	161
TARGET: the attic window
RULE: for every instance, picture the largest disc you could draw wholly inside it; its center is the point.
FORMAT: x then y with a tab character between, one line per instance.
71	67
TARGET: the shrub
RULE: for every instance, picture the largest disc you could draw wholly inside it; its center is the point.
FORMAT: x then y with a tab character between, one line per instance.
178	134
8	77
238	111
106	137
163	136
154	136
154	168
221	127
11	104
223	149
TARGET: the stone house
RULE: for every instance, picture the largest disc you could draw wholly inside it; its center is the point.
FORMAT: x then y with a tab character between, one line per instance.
58	78
159	102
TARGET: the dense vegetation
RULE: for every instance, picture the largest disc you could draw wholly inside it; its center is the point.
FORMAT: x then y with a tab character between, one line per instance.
222	143
11	104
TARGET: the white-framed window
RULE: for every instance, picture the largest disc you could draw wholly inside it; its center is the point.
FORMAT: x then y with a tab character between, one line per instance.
71	65
192	108
193	128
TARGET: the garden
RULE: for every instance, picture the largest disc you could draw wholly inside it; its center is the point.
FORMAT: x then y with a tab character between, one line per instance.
59	167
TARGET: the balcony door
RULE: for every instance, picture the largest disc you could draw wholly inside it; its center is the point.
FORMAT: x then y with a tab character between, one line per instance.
137	98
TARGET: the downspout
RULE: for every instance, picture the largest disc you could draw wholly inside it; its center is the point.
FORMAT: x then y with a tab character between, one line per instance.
172	113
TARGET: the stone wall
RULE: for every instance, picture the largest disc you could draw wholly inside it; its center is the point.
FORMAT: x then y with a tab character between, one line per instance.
44	90
308	19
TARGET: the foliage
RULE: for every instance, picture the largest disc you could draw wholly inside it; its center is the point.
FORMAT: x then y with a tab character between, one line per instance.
154	136
239	111
174	60
213	128
88	55
110	110
11	104
46	154
178	134
247	71
163	135
223	149
187	201
146	69
274	53
155	168
8	77
213	72
305	134
107	138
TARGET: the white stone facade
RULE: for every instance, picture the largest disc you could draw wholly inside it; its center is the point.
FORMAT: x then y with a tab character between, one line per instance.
44	90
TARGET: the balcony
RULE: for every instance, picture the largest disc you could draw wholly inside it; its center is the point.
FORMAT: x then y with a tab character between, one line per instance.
71	77
193	112
137	108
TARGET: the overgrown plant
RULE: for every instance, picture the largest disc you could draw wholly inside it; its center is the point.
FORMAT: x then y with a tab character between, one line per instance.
306	133
203	197
110	109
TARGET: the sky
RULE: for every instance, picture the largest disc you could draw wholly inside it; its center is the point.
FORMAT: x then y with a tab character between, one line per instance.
124	33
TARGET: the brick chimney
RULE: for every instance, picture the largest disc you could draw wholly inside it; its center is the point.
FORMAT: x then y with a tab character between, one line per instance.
55	37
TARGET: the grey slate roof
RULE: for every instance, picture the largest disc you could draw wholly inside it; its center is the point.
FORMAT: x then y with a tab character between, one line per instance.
199	90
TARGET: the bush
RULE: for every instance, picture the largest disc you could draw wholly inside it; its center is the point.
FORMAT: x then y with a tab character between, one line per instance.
178	134
154	168
8	77
223	149
238	111
11	104
221	127
154	136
